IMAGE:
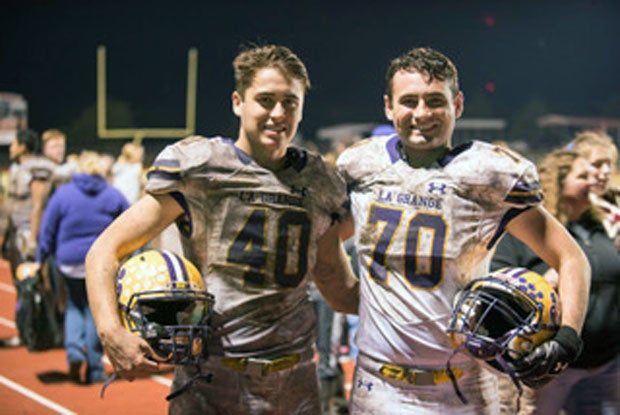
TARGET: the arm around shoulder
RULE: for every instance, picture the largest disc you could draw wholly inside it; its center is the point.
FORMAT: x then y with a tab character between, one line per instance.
333	274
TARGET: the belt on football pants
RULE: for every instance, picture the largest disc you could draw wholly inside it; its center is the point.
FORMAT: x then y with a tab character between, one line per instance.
264	367
418	377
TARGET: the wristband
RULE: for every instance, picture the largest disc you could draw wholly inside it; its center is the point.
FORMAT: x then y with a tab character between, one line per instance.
570	341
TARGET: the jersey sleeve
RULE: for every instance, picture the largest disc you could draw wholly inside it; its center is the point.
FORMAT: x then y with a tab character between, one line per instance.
498	177
334	194
358	160
174	164
526	190
42	169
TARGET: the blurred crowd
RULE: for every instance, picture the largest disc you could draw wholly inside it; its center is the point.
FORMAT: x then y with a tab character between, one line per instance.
54	206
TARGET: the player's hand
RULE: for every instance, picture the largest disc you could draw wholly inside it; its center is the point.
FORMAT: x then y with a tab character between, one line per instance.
129	354
550	358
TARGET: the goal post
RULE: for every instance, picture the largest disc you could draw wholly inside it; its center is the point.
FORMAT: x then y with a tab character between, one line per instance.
137	134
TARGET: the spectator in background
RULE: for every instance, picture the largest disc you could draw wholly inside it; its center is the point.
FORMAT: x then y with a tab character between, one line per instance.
76	214
602	154
127	171
590	384
383	129
54	146
106	161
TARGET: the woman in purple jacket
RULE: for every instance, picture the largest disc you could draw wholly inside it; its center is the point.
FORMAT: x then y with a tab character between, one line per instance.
74	217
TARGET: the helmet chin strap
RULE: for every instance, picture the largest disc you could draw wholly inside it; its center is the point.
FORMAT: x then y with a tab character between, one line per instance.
107	383
513	376
498	357
202	376
450	373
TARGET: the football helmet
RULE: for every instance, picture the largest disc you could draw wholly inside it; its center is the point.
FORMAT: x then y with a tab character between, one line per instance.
162	297
502	317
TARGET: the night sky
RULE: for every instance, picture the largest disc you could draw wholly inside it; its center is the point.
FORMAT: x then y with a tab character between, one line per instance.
565	53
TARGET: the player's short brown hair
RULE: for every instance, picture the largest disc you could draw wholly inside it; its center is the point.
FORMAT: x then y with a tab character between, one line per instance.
251	59
425	61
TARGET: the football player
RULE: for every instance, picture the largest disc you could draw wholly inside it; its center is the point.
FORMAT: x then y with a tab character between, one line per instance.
29	183
426	218
258	217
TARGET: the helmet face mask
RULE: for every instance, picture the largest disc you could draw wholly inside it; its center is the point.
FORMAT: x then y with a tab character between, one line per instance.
162	298
504	315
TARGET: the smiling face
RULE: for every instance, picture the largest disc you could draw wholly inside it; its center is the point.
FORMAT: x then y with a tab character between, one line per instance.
423	111
269	112
576	187
601	163
54	149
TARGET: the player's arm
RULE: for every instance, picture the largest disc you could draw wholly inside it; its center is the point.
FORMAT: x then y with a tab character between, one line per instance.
550	240
333	275
130	231
346	227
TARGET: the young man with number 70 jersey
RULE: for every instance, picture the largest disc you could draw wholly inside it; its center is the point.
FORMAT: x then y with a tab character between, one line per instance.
426	217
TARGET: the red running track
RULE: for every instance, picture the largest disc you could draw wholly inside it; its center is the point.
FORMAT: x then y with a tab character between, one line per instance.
37	382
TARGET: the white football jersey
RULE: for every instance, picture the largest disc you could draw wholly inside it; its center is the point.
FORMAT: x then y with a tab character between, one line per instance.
21	176
252	233
421	234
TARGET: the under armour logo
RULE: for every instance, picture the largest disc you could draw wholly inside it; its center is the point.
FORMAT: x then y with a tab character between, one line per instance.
362	384
437	187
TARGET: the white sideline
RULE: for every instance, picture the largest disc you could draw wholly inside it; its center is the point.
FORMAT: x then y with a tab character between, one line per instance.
8	323
35	396
160	379
7	287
